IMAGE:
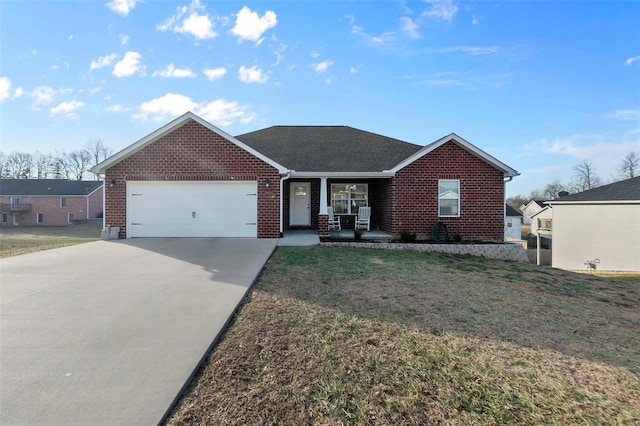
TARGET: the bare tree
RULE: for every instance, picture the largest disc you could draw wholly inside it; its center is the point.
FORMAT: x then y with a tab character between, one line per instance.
77	164
630	165
97	151
517	200
43	164
3	167
18	165
61	168
585	176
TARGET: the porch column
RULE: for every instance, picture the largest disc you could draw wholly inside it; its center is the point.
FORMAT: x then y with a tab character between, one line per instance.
323	215
323	195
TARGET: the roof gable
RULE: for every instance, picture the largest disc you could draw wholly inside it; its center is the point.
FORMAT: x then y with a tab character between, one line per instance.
48	187
168	128
624	190
511	212
329	148
508	171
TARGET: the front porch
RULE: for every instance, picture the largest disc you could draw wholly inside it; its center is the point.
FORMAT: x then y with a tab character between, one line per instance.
305	238
306	200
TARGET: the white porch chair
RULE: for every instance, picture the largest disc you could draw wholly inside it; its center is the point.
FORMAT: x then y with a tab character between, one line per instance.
334	221
364	218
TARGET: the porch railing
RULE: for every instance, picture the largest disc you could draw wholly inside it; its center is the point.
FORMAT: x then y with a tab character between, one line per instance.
11	207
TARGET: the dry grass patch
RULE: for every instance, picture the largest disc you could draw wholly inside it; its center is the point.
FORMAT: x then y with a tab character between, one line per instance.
355	336
16	240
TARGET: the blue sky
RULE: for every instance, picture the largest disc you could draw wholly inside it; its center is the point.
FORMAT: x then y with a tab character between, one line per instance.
541	85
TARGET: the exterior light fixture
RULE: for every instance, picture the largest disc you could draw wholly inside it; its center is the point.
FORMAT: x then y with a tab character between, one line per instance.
112	183
267	182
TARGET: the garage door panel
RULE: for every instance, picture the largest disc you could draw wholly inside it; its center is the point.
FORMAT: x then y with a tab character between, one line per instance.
192	209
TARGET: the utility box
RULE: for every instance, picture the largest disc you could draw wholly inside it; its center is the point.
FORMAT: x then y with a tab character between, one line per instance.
110	233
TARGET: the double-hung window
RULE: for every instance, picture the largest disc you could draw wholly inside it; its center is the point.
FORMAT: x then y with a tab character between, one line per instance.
346	198
63	202
70	218
449	198
39	217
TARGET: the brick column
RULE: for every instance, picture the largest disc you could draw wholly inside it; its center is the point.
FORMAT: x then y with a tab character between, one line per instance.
323	224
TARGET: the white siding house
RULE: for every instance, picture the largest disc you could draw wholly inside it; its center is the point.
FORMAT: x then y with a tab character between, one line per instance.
512	224
529	209
598	228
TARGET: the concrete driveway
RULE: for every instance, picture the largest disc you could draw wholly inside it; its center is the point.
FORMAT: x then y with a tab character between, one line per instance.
109	332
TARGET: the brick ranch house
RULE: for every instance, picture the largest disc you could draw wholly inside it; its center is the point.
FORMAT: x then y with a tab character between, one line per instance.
191	179
49	202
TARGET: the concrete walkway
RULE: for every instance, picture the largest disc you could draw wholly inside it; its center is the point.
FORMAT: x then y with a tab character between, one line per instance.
107	333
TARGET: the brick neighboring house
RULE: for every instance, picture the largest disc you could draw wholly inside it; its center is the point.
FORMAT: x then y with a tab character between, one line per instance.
49	202
190	179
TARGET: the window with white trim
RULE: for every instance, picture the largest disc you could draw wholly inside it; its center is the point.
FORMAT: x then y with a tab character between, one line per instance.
39	217
449	198
70	218
63	202
346	198
15	202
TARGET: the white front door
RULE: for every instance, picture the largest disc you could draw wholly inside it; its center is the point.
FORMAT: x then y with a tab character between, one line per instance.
300	204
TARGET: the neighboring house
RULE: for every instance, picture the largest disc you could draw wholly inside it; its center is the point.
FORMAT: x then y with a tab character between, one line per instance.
512	224
542	220
598	228
191	179
531	208
49	201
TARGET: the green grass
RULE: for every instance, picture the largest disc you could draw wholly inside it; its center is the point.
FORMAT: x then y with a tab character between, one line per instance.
17	240
356	336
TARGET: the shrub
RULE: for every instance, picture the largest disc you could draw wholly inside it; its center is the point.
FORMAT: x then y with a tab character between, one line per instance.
407	236
457	238
357	233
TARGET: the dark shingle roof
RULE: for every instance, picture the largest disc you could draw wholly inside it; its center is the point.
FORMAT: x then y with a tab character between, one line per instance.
54	187
512	212
329	148
625	190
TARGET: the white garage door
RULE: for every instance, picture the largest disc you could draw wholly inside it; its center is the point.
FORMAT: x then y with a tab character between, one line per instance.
192	209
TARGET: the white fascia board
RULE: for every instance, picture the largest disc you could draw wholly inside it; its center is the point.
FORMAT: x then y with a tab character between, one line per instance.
89	194
508	171
552	203
356	175
168	128
540	211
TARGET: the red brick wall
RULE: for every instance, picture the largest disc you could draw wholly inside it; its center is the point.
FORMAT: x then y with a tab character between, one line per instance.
194	153
52	213
415	195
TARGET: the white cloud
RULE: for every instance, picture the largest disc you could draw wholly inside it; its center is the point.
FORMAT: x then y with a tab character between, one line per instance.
114	108
54	67
214	73
626	114
103	61
475	20
383	38
67	108
5	88
252	75
322	66
198	25
630	61
409	27
250	26
124	39
472	50
18	92
441	9
330	80
122	7
314	54
172	71
220	111
353	70
43	95
70	37
167	106
224	113
128	65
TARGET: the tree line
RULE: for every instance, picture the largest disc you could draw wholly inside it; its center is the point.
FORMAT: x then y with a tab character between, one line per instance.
72	165
584	178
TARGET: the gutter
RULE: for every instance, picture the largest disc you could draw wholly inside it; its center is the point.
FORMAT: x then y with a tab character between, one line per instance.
282	179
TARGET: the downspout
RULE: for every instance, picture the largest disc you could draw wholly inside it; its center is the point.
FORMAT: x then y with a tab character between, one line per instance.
282	179
104	201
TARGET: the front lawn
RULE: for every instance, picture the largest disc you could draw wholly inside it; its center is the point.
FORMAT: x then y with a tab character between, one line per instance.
365	336
16	240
